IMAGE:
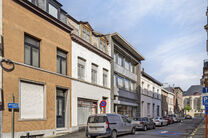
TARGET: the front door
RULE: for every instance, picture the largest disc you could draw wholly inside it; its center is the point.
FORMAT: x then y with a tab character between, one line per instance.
60	108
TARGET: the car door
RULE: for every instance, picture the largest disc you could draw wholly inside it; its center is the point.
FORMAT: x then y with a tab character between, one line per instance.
125	124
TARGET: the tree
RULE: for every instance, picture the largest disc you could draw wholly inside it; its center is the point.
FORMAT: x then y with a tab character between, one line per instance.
187	108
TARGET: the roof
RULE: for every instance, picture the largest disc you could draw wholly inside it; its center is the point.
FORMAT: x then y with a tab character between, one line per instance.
127	45
194	90
170	89
179	88
151	78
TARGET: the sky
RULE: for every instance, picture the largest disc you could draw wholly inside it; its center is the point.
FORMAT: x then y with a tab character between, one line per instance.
168	33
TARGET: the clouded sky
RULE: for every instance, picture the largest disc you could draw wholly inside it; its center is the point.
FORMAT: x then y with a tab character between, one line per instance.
168	33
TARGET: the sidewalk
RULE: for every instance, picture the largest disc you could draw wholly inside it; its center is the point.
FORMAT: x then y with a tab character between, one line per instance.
199	132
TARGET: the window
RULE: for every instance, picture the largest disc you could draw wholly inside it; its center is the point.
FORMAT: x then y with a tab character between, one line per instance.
86	34
131	67
105	77
115	80
158	110
52	10
32	101
133	86
115	58
103	46
94	73
148	108
120	82
120	60
61	62
127	84
32	51
127	65
81	69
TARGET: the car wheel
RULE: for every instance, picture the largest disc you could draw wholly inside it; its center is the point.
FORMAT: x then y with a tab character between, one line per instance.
145	128
153	127
133	131
93	136
113	134
161	124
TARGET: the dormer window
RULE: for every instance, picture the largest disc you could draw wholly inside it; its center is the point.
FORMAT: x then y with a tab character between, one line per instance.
103	46
52	10
86	34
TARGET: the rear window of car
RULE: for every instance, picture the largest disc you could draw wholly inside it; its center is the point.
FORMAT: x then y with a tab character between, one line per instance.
97	119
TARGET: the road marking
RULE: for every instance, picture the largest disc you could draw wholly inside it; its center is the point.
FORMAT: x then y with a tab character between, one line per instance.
194	132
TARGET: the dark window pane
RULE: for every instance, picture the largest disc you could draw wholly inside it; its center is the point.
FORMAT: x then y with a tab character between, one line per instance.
35	57
58	65
63	66
27	55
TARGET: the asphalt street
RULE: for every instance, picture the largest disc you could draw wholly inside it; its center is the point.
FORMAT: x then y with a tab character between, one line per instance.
177	130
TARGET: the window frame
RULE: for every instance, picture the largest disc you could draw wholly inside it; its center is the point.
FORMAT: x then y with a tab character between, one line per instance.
31	51
61	58
87	30
105	73
84	67
96	73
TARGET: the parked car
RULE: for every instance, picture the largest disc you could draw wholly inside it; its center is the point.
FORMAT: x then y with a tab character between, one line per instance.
109	125
169	119
144	123
159	121
188	117
175	118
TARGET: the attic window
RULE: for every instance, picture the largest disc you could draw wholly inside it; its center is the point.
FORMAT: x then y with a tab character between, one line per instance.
52	10
86	34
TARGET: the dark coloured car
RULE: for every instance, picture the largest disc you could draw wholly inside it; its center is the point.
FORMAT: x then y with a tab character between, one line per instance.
144	123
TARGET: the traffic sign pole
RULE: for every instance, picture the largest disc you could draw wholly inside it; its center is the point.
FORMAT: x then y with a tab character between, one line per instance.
206	127
12	117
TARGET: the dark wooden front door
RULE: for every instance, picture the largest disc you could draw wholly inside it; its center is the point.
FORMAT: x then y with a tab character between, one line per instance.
60	108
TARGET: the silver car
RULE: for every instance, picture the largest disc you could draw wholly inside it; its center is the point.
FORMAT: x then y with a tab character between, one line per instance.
144	123
108	125
159	121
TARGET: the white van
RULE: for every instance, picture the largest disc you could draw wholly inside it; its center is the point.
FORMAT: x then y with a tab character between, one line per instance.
108	125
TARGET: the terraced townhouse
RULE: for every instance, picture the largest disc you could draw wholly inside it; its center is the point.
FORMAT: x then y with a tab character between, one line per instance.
125	76
37	39
91	72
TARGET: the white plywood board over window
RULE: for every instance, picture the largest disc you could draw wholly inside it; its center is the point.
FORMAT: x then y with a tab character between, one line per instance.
31	101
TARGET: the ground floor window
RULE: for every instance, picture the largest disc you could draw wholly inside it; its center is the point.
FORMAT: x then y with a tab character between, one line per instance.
86	107
129	111
32	101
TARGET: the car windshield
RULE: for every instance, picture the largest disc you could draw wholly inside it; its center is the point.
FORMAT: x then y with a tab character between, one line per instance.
97	119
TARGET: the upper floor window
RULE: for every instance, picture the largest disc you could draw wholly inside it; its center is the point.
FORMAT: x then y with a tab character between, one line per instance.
120	82
115	57
115	80
127	65
120	60
105	77
86	34
81	68
52	10
94	73
32	51
61	62
133	86
103	46
127	84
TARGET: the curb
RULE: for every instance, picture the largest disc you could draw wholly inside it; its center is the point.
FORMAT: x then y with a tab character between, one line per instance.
195	130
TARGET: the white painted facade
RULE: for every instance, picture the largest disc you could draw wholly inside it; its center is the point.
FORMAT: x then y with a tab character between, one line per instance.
150	98
170	103
85	89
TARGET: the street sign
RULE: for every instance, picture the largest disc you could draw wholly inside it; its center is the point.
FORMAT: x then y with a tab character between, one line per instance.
103	104
205	89
205	100
13	105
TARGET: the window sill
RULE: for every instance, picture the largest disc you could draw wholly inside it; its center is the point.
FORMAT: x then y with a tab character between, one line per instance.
41	119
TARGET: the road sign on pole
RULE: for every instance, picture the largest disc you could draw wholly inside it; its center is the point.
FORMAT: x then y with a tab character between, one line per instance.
205	100
13	105
205	90
103	104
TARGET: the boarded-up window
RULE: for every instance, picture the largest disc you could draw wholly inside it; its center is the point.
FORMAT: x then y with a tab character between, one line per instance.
32	101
